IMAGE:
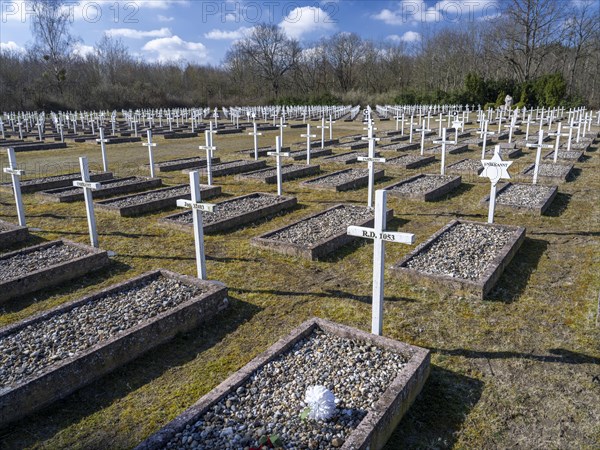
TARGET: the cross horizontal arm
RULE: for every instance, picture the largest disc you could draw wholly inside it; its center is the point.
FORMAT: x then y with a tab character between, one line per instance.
182	203
389	236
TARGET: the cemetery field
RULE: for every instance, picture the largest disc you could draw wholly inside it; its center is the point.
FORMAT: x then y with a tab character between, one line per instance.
519	368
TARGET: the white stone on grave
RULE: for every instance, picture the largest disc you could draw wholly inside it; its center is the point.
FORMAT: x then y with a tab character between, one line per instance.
278	154
379	235
102	141
443	141
255	134
197	208
538	156
150	144
15	175
371	160
423	130
495	169
308	136
88	187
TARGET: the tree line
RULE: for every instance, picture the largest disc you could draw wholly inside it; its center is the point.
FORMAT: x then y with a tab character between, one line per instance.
542	52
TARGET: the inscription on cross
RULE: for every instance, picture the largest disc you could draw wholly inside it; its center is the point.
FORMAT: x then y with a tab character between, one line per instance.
380	236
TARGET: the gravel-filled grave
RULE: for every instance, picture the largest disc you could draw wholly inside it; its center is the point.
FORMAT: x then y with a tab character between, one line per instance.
11	234
182	163
555	173
74	343
466	166
343	180
410	161
463	256
525	197
572	155
314	153
149	196
108	188
230	167
343	158
425	187
318	234
234	212
288	172
451	149
400	146
53	182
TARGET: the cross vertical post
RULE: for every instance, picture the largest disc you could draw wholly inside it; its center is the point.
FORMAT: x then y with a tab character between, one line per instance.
484	133
278	154
255	133
88	187
331	122
15	174
102	143
308	136
423	130
323	127
380	236
281	126
209	154
443	142
557	135
150	144
371	160
538	155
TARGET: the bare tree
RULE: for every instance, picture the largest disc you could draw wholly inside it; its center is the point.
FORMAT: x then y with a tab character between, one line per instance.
344	51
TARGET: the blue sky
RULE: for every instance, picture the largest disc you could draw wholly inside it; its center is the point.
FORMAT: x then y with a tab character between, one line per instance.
202	31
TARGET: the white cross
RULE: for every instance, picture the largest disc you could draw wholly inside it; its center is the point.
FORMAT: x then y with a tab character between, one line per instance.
255	133
441	121
540	145
88	187
557	135
281	126
150	144
379	236
60	127
457	124
197	207
423	130
443	142
2	129
511	127
209	154
494	169
323	127
278	155
571	127
16	181
308	136
484	133
411	124
529	122
102	143
371	160
398	117
331	122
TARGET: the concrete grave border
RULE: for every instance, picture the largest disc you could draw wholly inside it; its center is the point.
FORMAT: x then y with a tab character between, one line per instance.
53	195
30	186
13	235
538	209
568	168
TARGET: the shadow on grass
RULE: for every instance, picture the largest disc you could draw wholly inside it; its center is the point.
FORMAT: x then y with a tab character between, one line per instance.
557	355
56	216
106	390
436	416
188	258
68	287
112	233
463	188
29	242
514	280
575	173
565	233
559	205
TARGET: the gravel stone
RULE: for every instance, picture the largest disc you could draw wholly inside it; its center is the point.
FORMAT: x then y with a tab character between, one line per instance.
105	185
464	251
405	159
227	165
423	184
26	352
231	209
343	157
271	401
472	165
397	146
339	178
180	161
564	155
323	226
149	196
524	195
273	171
24	263
549	170
54	178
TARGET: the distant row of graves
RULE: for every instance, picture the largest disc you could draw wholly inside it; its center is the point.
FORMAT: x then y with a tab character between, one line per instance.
464	257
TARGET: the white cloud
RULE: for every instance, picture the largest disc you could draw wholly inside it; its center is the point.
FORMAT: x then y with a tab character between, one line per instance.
305	20
162	18
409	36
11	47
175	49
412	11
82	50
160	4
138	34
227	35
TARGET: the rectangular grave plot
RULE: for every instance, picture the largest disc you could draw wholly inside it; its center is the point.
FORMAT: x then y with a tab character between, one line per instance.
343	180
450	149
54	182
151	201
263	151
550	173
355	145
231	168
342	158
28	147
565	155
60	261
425	187
410	161
471	287
372	432
117	186
465	167
314	153
288	172
55	381
529	198
400	146
323	245
255	210
173	165
11	234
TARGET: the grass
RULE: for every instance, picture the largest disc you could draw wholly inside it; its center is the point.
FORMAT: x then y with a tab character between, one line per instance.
518	369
